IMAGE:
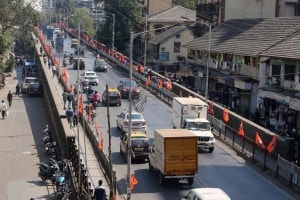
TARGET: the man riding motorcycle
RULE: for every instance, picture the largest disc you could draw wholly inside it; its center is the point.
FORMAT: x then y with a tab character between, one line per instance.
96	99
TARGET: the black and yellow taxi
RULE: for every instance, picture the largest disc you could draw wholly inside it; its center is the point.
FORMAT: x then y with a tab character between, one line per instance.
139	145
114	97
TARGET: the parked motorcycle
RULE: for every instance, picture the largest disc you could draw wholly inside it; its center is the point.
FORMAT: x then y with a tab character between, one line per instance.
46	171
51	149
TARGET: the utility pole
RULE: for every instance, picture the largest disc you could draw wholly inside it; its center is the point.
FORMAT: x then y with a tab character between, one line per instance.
207	64
109	145
79	164
145	40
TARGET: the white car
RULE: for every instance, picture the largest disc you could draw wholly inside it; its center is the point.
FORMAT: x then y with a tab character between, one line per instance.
91	76
138	122
27	81
206	194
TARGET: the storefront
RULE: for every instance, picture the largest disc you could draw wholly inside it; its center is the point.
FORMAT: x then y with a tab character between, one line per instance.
279	112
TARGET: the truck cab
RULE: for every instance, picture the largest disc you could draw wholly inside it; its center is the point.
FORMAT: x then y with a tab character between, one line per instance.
202	129
191	114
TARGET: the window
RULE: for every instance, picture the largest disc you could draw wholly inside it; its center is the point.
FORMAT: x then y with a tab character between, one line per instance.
289	72
297	10
177	47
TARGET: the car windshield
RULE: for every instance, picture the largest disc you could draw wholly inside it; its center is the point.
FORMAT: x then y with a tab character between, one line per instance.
136	116
126	84
139	141
100	63
30	80
201	126
89	74
35	85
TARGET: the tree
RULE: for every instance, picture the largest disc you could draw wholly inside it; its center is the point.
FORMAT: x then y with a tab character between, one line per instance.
190	4
16	13
82	16
127	15
64	6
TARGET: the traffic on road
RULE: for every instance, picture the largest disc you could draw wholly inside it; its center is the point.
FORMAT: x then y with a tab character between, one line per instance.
220	169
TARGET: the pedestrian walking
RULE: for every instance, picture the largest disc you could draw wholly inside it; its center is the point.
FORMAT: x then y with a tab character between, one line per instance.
70	115
75	120
3	109
18	89
49	62
9	98
70	99
65	96
99	192
53	70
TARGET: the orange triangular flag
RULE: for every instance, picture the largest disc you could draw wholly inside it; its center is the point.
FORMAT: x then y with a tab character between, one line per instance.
70	88
225	115
80	106
133	181
159	83
148	81
169	85
100	145
272	145
211	108
259	142
96	127
241	129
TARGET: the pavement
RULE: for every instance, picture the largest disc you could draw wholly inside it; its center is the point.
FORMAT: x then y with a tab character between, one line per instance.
94	170
21	149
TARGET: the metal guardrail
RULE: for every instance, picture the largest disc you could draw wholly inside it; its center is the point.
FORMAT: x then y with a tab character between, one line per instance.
228	132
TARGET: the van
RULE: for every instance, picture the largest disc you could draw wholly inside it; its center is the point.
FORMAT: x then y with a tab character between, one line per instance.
74	43
206	194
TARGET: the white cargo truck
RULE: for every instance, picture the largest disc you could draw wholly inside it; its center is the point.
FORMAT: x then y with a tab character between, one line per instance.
191	113
174	155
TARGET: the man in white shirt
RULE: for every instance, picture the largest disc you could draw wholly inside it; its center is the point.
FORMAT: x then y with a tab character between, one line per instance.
3	108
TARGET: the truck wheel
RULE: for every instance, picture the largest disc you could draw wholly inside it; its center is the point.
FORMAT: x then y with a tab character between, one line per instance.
190	181
211	149
162	180
151	168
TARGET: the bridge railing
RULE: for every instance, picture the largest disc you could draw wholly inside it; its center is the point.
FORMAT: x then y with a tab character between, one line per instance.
228	132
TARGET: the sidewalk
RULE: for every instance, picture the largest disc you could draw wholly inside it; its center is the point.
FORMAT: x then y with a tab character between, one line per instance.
87	154
21	149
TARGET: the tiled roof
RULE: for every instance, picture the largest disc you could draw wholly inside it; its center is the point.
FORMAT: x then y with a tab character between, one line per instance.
288	48
247	36
174	14
167	34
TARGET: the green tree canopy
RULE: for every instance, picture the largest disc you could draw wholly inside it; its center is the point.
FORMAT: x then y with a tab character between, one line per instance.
82	16
127	15
64	7
190	4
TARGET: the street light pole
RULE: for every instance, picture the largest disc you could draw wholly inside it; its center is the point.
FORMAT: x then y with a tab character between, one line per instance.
130	116
145	55
207	64
132	37
113	32
79	165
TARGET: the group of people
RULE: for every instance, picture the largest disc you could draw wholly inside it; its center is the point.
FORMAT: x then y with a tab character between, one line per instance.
4	106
